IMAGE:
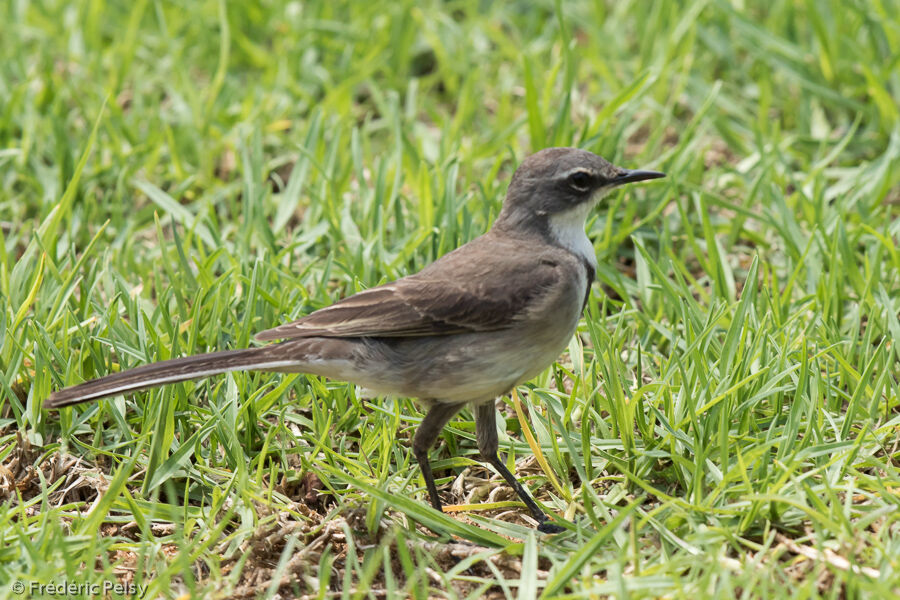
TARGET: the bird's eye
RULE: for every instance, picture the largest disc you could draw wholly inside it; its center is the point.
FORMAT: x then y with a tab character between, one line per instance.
580	181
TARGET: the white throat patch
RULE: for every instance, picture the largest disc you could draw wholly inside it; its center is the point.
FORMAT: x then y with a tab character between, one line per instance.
567	229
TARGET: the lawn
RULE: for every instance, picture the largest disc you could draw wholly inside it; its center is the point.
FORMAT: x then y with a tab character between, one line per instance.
175	177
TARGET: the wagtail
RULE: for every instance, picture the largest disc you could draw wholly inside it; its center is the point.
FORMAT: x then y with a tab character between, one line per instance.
464	330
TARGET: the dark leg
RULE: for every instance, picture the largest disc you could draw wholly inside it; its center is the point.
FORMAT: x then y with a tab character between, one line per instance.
486	434
424	439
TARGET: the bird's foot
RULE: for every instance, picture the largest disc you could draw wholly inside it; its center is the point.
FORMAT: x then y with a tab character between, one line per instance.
547	526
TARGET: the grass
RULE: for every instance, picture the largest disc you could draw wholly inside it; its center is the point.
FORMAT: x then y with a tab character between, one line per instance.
175	177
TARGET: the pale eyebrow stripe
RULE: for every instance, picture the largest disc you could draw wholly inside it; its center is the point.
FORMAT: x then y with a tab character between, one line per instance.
578	170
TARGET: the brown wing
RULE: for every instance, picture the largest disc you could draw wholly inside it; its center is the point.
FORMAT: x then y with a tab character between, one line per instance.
470	289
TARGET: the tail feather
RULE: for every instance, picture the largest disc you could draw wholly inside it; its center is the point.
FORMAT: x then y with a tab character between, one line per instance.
171	371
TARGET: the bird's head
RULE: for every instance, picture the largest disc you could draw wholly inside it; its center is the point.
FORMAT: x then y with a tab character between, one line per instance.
559	185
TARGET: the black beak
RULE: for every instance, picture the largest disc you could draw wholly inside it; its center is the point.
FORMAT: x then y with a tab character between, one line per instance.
632	176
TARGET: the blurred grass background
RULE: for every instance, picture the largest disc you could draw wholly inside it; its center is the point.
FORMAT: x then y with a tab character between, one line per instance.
175	177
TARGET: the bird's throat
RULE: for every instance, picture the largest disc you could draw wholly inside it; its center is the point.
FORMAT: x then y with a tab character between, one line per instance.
567	230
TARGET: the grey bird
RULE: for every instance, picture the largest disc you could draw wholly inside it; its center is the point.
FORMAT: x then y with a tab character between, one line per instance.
466	329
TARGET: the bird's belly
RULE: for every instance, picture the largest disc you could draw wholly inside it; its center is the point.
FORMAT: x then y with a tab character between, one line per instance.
462	372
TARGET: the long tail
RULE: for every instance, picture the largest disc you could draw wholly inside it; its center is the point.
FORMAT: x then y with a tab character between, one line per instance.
171	371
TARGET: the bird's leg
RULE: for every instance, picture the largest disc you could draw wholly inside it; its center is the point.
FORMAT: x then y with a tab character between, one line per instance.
431	427
486	434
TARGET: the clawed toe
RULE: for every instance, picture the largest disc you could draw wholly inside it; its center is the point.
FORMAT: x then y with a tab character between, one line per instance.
550	527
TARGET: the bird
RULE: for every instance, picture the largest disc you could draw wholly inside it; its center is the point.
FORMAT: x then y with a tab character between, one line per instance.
465	330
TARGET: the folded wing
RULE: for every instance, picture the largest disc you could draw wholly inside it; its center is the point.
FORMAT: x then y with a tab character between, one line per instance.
459	297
